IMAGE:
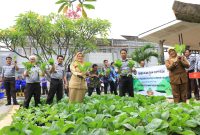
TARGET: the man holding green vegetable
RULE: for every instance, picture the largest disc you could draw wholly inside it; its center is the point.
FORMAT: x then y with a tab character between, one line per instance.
106	73
33	87
57	72
94	80
126	79
8	75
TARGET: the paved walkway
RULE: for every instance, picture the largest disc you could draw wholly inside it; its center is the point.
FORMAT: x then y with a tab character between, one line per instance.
6	113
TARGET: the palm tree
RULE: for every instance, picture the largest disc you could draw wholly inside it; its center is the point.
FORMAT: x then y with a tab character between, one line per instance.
144	53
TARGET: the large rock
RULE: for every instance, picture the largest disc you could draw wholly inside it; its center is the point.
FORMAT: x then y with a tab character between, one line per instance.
187	12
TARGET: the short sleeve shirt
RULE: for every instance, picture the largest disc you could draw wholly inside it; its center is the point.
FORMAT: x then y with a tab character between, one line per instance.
8	71
34	76
59	72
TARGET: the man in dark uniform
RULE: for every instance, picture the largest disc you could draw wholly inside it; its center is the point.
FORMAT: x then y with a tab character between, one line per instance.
8	75
57	77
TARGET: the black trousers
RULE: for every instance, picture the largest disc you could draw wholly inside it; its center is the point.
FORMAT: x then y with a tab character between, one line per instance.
126	86
192	85
113	87
56	87
22	88
9	84
32	89
44	90
106	87
90	91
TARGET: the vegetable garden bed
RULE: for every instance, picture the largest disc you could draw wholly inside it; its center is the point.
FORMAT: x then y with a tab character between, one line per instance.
101	115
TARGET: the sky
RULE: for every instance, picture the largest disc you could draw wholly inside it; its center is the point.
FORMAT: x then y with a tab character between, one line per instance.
128	17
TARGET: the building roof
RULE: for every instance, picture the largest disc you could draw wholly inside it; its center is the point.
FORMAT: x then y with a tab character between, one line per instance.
170	32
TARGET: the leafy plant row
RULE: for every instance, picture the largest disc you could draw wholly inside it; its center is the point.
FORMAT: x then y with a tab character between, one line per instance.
113	115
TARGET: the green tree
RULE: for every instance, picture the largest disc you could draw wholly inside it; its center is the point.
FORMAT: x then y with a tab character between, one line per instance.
53	35
144	53
14	39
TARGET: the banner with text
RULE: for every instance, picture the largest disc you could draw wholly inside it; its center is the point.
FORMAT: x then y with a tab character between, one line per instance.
152	81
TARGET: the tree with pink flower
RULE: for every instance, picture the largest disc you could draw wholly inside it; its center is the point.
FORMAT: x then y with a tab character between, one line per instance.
67	6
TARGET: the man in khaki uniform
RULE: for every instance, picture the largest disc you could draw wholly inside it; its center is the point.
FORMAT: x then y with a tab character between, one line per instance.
178	76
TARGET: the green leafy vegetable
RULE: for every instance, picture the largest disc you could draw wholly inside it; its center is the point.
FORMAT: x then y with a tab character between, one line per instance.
84	67
43	66
51	61
131	64
180	49
118	64
27	65
108	71
101	73
108	114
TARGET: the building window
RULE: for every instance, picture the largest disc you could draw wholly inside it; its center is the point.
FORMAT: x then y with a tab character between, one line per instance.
103	50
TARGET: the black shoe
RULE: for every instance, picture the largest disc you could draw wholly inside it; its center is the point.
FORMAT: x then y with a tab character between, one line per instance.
197	98
8	104
16	103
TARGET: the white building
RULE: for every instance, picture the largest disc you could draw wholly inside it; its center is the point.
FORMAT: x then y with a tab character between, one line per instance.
110	51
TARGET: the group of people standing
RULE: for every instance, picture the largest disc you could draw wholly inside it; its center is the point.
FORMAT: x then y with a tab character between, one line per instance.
33	78
112	77
80	82
77	85
179	69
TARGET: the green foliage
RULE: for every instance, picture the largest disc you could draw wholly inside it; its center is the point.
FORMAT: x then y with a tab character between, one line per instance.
43	66
108	70
53	35
144	53
131	64
51	61
13	39
27	65
108	114
84	67
180	49
101	72
118	64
